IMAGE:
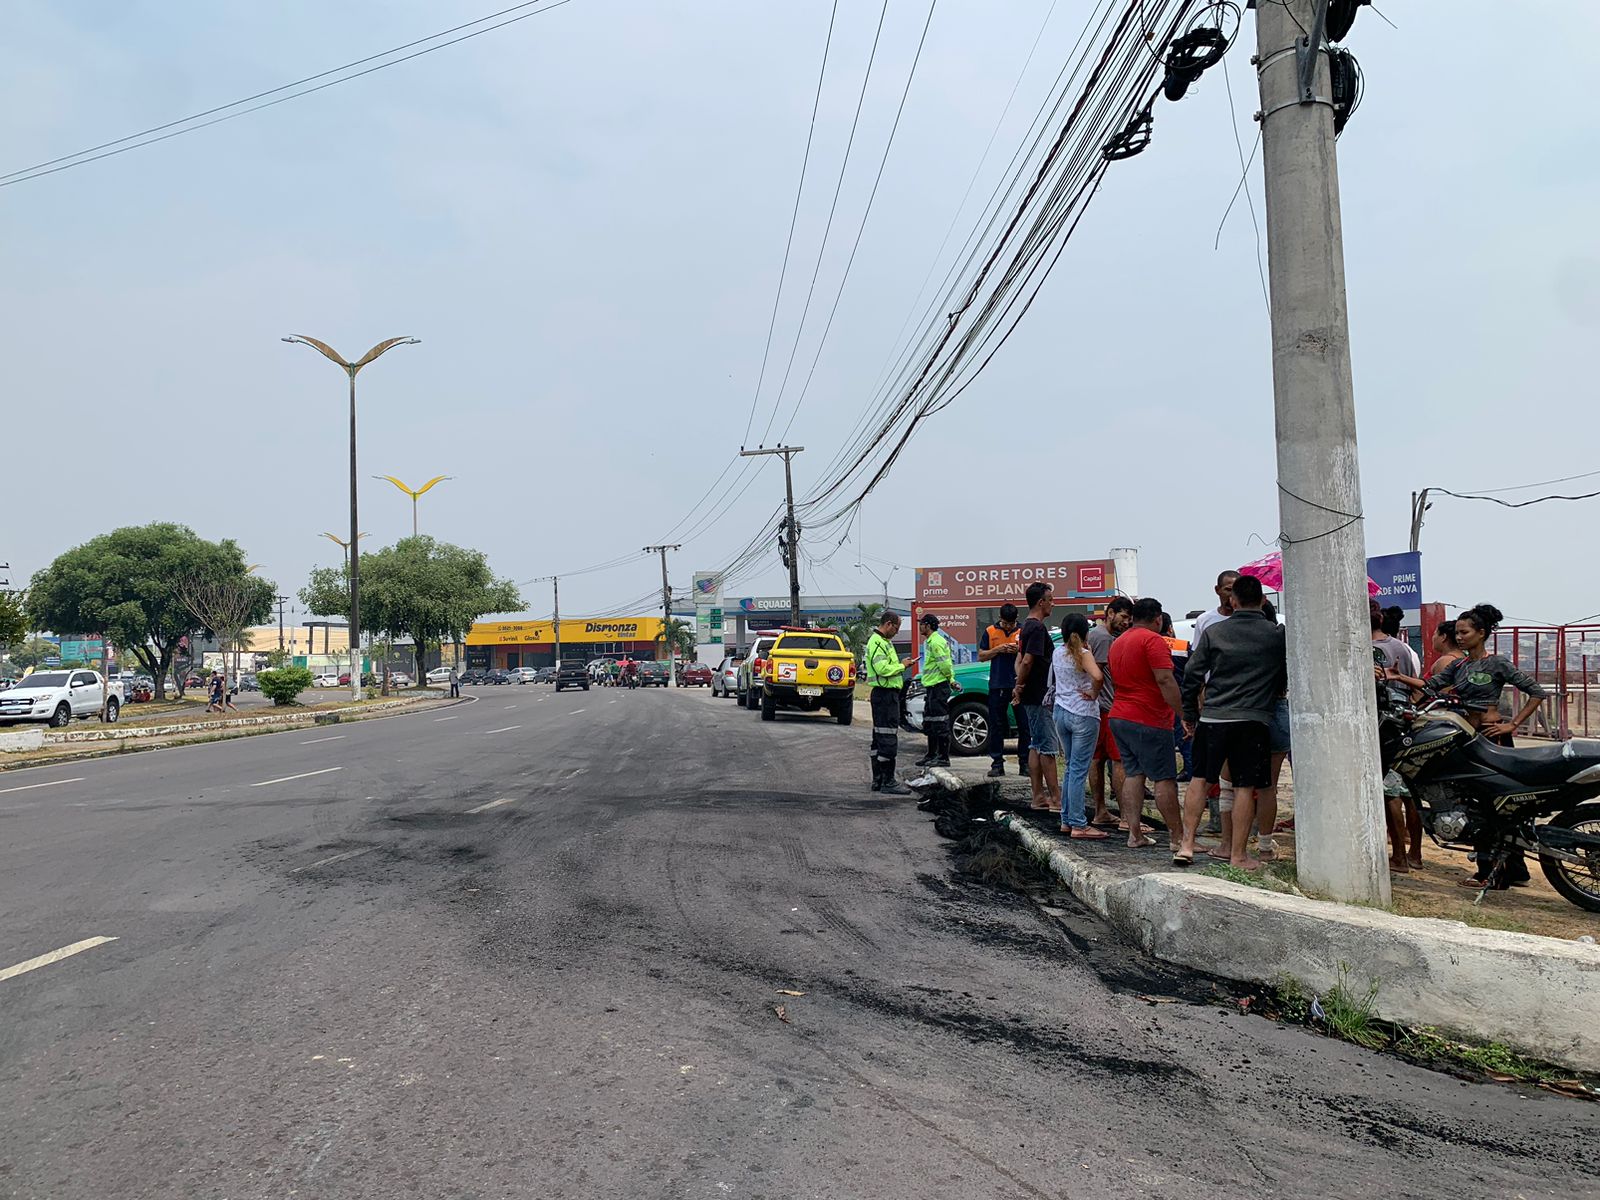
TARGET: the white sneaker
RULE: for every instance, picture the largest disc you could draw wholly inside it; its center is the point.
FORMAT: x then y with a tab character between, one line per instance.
1265	845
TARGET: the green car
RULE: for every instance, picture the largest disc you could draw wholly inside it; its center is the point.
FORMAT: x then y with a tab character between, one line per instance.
969	707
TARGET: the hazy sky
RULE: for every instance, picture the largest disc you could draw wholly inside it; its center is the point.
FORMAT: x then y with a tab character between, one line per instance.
582	216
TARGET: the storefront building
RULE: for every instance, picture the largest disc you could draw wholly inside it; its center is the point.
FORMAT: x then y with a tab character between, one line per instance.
752	614
967	599
506	644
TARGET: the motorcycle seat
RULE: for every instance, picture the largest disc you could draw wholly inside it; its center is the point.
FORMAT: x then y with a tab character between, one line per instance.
1538	766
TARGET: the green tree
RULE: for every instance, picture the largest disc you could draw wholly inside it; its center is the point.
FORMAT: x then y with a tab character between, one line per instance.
860	627
125	584
426	590
283	685
679	635
13	620
33	652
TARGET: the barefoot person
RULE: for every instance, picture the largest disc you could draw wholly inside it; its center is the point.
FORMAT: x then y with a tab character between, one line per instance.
1141	721
1243	664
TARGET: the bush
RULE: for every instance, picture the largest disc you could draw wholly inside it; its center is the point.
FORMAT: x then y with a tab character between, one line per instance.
282	685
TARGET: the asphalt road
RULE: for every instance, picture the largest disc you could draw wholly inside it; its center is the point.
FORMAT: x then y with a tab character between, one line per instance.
535	946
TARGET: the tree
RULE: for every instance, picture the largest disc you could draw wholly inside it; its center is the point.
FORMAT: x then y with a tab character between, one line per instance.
13	620
33	652
426	590
283	685
125	584
226	605
678	635
860	627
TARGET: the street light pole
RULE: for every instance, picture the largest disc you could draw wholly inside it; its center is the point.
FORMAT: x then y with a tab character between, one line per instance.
348	563
352	369
792	547
414	494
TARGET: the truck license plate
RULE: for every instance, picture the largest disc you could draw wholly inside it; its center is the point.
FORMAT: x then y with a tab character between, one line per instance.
809	691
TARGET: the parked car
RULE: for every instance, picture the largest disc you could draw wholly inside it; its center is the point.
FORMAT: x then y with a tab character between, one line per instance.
59	697
572	672
753	667
654	674
439	675
472	677
809	670
399	679
522	675
247	683
498	676
969	706
545	675
725	676
326	679
695	675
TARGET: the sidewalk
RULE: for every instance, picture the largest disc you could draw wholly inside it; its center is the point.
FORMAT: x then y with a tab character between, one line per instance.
1539	995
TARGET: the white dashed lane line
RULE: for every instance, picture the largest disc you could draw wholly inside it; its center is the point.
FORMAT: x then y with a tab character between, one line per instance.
436	720
302	775
323	862
506	729
338	737
28	787
492	804
55	956
576	711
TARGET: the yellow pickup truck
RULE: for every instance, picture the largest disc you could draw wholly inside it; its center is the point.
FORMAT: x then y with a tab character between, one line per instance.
809	670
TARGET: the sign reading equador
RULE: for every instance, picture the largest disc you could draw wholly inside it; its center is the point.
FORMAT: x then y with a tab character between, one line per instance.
1000	582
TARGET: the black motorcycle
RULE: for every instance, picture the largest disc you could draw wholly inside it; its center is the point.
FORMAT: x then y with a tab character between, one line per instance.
1497	800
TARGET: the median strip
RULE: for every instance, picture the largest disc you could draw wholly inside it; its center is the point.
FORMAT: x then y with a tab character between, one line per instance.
55	956
492	804
291	778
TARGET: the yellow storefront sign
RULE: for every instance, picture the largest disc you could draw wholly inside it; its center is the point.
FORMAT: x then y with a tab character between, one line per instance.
543	633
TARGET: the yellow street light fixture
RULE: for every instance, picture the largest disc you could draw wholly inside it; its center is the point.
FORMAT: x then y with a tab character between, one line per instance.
414	493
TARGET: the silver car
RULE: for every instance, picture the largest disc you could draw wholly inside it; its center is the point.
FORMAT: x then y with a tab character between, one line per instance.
725	676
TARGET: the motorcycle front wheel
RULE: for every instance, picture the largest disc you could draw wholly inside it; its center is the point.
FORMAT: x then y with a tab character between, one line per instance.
1578	884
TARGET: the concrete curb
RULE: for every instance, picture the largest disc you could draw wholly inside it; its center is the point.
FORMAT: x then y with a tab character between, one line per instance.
1539	995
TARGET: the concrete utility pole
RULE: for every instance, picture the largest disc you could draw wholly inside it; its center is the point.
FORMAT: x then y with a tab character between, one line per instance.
1419	509
792	546
282	600
666	612
556	580
1339	832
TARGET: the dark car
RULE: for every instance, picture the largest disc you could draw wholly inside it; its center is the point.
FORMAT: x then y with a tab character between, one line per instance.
573	672
654	674
498	676
695	675
545	675
473	676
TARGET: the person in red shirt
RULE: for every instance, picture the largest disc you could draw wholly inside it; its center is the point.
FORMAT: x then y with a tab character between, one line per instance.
1142	715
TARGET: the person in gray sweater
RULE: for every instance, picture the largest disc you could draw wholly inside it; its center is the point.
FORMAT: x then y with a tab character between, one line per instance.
1241	665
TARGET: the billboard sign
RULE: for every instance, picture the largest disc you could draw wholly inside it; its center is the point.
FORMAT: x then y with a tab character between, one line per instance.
998	583
543	633
1399	580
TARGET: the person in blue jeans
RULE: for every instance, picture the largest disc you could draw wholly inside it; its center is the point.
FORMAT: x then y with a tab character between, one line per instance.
1076	680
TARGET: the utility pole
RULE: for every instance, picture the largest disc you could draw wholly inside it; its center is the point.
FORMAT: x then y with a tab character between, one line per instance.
1419	509
789	543
282	600
666	611
1339	832
556	580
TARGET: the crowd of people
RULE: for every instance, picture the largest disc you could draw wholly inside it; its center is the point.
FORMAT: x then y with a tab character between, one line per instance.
1136	714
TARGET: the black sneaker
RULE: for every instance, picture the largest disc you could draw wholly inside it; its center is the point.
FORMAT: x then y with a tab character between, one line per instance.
996	771
895	788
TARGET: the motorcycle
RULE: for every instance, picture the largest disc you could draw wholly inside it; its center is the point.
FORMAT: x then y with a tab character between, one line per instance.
1476	795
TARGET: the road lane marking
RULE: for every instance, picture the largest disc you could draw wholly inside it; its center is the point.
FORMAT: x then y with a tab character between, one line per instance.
338	737
302	775
322	862
610	701
507	729
509	707
492	804
576	711
28	787
55	956
436	720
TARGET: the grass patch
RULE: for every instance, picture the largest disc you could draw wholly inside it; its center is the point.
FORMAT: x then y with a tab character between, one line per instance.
1276	877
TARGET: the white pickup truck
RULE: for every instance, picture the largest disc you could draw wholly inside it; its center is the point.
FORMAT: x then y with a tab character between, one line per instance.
56	697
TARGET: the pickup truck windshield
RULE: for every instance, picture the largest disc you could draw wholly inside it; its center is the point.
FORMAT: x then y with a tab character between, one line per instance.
47	679
808	641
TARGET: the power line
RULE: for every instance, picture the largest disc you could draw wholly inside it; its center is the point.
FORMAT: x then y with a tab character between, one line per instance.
1522	487
131	142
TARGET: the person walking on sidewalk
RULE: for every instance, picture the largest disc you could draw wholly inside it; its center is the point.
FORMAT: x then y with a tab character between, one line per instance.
998	646
886	671
938	671
1242	663
1141	721
1076	680
1033	681
455	683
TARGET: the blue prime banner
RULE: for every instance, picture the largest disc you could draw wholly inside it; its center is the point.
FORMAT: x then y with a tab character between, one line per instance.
1399	580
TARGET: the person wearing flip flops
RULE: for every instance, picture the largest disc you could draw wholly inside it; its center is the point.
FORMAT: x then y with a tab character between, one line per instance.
1141	720
1242	663
1076	680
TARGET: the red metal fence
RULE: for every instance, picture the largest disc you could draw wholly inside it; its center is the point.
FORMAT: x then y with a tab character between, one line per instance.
1566	660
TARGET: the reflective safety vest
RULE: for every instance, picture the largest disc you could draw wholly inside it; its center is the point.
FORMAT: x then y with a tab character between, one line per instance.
938	666
884	668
